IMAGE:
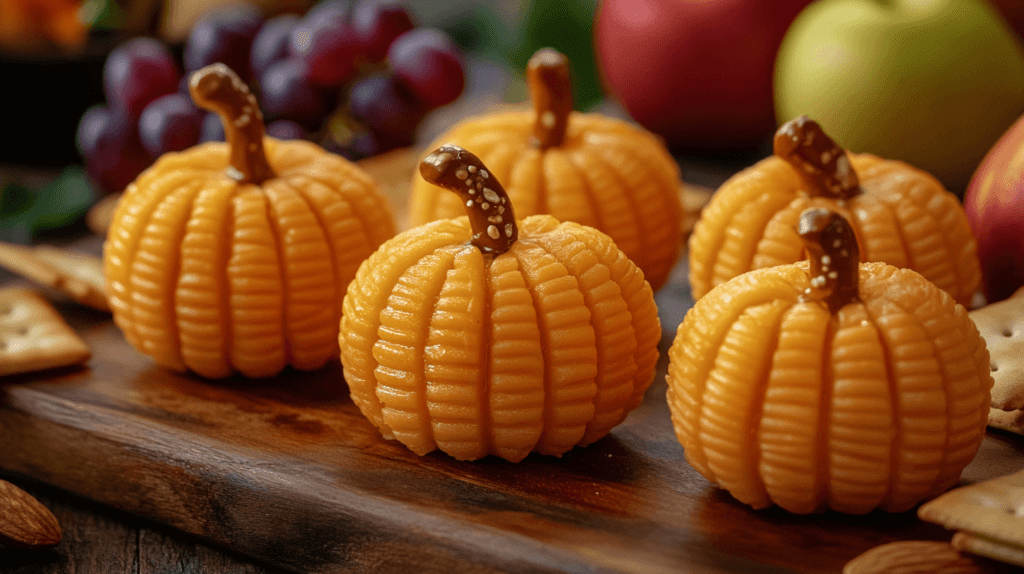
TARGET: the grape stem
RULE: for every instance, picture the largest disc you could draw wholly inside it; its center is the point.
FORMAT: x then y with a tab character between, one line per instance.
218	88
547	75
833	255
490	212
821	163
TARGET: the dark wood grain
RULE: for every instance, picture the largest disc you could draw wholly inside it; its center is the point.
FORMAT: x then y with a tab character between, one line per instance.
287	471
102	540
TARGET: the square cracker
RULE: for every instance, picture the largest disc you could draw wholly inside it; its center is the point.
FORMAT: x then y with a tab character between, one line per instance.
992	509
33	336
77	275
1010	421
1002	326
989	548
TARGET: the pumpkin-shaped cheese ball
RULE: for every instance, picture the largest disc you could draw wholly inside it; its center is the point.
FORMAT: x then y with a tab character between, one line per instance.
828	383
487	335
901	215
580	167
234	257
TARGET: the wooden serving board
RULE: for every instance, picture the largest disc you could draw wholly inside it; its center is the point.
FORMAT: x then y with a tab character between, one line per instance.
288	471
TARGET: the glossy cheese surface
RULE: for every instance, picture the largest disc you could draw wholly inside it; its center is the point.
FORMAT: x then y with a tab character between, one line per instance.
217	277
903	217
880	405
606	174
541	348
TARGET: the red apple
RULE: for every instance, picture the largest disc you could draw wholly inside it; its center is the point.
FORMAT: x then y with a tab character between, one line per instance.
697	72
1013	11
995	209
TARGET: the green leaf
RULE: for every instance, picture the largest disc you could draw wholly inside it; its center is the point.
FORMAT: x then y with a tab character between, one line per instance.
102	14
63	201
25	212
567	26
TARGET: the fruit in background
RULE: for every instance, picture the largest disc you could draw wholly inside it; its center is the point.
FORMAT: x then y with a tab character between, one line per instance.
244	250
212	129
581	167
286	130
902	215
931	82
109	141
169	123
386	106
995	203
305	69
697	73
1013	11
829	383
223	36
377	23
327	46
287	92
137	72
271	42
492	334
427	61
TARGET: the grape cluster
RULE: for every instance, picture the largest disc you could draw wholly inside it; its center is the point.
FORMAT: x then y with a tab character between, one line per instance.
357	78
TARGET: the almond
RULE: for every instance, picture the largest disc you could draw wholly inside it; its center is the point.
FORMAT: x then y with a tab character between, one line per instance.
24	521
915	557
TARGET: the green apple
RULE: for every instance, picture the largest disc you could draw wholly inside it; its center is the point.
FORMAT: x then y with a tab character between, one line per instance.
931	82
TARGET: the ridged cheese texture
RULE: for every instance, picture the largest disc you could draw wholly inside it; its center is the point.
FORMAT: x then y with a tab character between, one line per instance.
217	277
606	174
544	347
880	405
903	217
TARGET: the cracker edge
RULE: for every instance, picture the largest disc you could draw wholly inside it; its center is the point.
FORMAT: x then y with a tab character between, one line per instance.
958	510
989	548
39	268
79	353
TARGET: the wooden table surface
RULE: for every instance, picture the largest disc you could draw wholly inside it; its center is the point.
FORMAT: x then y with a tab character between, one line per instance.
707	528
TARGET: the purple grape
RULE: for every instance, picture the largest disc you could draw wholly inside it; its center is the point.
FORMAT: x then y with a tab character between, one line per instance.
137	72
366	145
223	36
109	141
212	129
377	23
183	86
427	61
387	108
286	92
90	129
271	42
286	130
328	47
170	123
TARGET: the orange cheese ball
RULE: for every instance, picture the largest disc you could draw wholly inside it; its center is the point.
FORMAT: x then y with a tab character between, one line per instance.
829	384
488	335
234	257
582	167
901	215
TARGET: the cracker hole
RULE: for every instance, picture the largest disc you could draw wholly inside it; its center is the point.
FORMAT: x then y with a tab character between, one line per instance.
23	331
6	310
1007	332
994	367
